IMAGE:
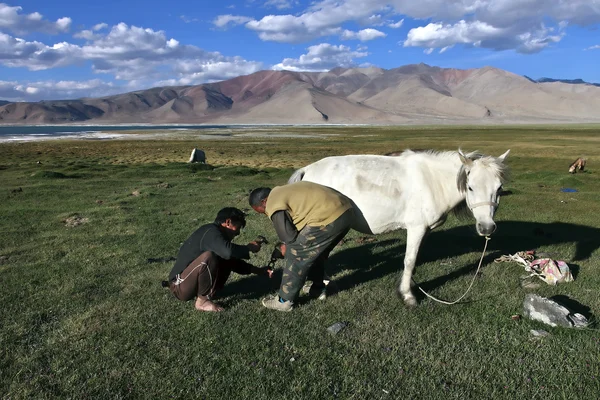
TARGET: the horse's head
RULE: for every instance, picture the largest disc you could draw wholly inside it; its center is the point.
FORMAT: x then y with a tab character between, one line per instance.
480	178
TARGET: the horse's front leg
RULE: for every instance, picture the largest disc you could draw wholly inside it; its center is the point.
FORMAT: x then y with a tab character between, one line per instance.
414	237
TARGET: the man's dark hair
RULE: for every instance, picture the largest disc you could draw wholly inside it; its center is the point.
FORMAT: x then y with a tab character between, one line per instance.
236	216
258	195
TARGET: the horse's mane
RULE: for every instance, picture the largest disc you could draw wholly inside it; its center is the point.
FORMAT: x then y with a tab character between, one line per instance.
498	167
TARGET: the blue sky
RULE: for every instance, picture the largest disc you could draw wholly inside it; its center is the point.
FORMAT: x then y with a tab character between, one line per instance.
69	49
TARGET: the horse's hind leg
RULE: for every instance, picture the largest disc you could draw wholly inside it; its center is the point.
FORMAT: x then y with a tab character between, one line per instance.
414	237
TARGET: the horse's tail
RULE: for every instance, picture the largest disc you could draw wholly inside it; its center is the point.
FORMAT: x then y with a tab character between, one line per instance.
296	176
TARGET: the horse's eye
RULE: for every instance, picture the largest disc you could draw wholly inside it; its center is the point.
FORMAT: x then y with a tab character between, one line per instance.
470	189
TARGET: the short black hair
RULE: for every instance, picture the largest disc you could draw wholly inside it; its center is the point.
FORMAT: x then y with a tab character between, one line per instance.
236	216
258	195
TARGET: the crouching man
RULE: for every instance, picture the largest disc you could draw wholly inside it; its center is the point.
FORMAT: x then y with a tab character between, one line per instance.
208	256
311	220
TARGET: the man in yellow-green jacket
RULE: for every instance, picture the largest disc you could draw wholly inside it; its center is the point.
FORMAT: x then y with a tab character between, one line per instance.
310	219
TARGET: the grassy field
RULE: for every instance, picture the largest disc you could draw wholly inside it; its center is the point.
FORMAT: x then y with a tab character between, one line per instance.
83	315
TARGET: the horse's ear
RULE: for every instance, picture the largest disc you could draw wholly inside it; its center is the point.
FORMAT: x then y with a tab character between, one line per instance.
464	159
503	156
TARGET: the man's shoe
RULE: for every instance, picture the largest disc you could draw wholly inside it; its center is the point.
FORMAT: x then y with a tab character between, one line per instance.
273	303
318	292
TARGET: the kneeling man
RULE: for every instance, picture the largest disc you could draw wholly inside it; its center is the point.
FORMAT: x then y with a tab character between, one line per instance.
207	258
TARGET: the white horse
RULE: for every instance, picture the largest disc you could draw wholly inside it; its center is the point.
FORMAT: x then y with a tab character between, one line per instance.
413	191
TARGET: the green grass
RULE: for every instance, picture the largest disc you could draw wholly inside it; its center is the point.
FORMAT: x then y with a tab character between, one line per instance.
83	315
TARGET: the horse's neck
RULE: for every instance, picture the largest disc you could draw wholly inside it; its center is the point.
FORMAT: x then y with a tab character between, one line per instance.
446	169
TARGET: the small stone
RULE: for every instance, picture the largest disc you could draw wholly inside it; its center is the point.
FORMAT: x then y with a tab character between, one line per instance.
292	359
539	333
528	284
136	193
515	317
539	308
337	327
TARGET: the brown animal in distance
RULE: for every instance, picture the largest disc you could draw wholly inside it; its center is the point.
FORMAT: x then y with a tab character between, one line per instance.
576	165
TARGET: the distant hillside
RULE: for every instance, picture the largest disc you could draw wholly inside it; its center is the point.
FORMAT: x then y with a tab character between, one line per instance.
3	102
571	81
416	93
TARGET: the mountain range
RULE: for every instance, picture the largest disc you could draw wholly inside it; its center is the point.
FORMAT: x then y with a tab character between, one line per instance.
408	94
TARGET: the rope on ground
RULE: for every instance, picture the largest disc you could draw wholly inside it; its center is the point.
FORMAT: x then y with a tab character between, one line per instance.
487	239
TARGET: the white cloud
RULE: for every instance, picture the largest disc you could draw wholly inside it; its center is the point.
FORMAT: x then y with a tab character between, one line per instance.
187	19
16	52
438	35
322	57
100	26
281	4
481	34
594	47
128	53
323	18
14	21
363	35
396	25
89	34
527	26
224	20
46	90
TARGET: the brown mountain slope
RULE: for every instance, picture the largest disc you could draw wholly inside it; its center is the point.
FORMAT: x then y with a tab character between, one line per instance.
420	96
416	93
302	103
513	96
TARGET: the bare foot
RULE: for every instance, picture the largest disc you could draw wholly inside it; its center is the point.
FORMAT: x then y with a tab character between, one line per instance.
203	304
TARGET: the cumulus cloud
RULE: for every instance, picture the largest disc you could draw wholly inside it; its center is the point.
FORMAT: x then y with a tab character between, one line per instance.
281	4
224	20
187	19
45	90
594	47
89	34
363	35
138	55
481	34
11	19
16	52
526	26
322	57
396	25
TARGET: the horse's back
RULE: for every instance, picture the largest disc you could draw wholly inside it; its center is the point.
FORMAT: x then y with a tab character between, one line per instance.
374	183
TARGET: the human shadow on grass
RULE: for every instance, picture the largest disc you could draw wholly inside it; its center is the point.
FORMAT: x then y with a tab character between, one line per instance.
368	262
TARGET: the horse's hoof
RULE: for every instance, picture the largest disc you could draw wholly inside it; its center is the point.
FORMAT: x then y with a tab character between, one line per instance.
410	302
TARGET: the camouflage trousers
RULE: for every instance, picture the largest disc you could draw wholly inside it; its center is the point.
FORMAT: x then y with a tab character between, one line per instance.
305	257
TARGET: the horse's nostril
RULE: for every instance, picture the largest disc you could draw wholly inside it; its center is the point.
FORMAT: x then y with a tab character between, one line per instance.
486	229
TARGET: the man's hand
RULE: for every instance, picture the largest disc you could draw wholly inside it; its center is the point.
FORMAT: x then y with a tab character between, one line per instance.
283	249
263	271
254	247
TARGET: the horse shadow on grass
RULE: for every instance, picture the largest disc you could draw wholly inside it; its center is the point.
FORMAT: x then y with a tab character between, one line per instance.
368	262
